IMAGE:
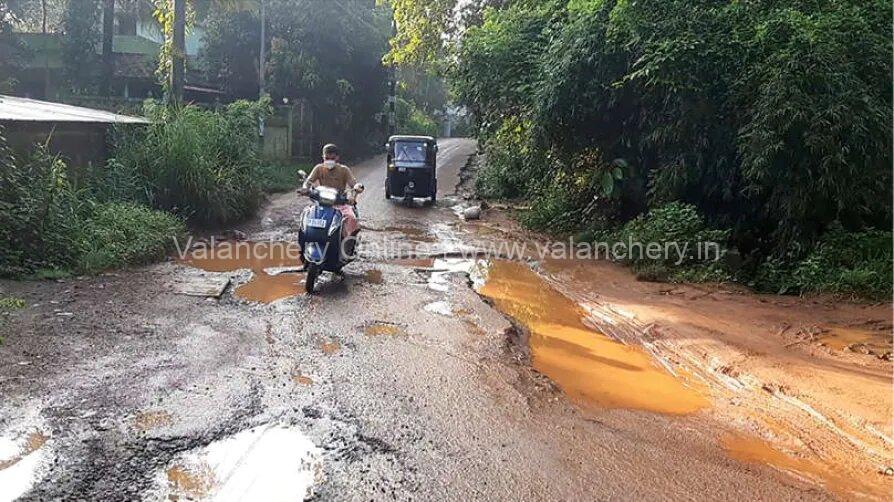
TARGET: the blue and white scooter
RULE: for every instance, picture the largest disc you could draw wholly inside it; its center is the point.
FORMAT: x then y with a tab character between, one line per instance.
320	234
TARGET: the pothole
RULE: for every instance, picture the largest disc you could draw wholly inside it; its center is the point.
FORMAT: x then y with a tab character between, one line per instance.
587	365
270	262
21	461
270	462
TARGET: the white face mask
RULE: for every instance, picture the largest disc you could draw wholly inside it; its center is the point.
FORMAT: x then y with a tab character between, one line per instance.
329	163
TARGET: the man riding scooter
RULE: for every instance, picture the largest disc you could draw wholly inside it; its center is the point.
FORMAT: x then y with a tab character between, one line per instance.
330	173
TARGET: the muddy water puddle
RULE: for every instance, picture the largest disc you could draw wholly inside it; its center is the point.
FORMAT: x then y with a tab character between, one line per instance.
589	366
414	262
264	463
877	343
263	259
754	450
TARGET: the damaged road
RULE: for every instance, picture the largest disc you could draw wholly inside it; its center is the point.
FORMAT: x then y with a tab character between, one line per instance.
400	381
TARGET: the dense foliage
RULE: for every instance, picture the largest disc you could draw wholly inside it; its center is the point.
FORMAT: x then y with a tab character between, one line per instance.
195	163
80	57
48	226
326	53
771	118
13	52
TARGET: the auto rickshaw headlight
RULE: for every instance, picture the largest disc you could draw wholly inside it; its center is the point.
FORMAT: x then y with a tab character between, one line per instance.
391	167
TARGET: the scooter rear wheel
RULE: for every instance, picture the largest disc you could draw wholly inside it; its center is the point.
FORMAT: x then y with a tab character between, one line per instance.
313	271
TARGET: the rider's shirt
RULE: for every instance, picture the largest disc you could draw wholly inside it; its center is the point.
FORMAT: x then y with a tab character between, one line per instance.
339	177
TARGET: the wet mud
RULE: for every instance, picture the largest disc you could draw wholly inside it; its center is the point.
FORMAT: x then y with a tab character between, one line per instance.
373	276
861	341
751	449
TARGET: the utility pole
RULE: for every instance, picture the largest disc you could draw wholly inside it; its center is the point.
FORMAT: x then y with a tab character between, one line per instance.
392	94
178	52
108	59
262	77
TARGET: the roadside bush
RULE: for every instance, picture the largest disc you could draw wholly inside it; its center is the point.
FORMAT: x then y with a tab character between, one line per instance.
119	234
842	263
195	163
48	229
771	119
687	248
39	214
512	164
673	222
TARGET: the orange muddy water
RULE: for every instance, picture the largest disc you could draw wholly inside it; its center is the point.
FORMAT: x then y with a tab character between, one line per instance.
414	262
857	340
589	366
256	256
756	450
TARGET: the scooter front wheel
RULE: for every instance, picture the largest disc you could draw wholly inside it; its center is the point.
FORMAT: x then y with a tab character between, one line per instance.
313	271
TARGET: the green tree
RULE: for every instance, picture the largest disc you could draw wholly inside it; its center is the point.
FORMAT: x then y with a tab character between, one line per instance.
772	118
81	62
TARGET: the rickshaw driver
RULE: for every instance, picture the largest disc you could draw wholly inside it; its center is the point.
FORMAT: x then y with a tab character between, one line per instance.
330	173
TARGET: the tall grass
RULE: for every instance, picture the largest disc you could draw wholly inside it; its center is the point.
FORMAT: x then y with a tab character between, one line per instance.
199	164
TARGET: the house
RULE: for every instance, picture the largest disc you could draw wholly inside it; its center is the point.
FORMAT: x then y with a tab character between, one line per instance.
136	44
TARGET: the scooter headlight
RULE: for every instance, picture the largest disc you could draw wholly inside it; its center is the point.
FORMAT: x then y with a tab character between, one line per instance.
327	195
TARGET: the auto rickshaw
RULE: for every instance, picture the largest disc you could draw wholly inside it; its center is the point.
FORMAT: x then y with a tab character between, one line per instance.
411	167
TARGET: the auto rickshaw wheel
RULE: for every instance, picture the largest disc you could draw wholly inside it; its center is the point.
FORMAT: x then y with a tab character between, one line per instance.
387	192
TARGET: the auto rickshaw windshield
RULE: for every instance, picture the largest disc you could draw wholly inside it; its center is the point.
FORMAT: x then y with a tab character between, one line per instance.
410	152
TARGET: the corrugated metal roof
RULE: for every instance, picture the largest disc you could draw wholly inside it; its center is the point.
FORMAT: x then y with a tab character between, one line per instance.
17	109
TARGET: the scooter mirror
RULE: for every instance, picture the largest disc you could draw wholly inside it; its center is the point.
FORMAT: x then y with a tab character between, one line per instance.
302	175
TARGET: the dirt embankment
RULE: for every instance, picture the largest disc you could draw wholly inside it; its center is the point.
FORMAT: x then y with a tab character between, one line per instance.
804	384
